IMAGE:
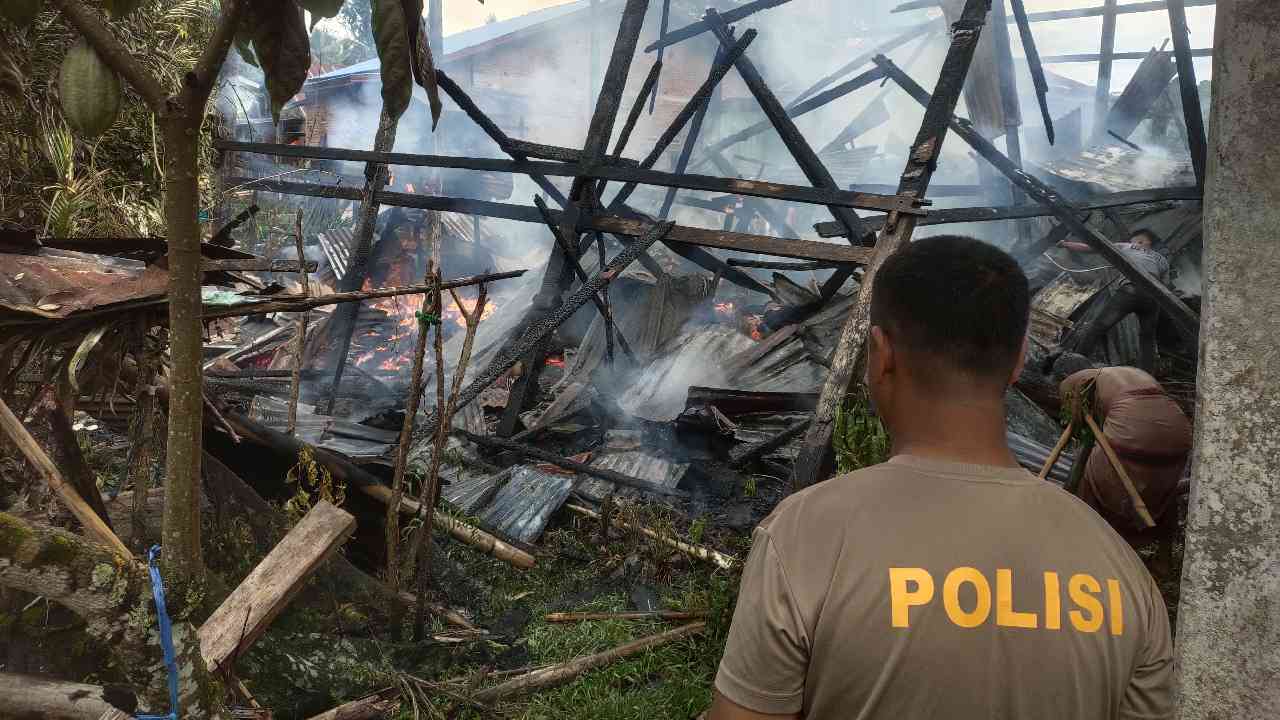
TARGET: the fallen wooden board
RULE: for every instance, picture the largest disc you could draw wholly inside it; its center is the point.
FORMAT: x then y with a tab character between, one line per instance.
245	615
27	696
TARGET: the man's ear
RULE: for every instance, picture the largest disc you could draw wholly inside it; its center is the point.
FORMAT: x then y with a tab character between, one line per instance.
880	357
1022	360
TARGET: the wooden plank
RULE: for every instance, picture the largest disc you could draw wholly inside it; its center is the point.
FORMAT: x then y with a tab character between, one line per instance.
814	170
1197	139
1102	92
28	696
1017	212
815	460
743	242
1144	89
45	468
257	265
249	610
1184	317
697	28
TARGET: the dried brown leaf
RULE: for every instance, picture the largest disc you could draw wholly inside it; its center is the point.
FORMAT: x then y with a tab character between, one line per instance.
391	36
283	48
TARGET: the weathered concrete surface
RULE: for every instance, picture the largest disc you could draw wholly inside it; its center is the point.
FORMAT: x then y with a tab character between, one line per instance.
1228	640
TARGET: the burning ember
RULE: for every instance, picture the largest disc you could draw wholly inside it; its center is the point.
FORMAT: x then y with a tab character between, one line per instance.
392	349
556	362
725	308
750	324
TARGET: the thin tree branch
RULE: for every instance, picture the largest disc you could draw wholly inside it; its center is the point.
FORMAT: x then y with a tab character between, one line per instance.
201	79
114	53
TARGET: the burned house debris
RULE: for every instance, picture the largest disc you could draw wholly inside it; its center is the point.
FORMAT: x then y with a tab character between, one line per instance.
626	265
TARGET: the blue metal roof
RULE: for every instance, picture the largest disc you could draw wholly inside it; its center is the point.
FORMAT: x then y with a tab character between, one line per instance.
458	42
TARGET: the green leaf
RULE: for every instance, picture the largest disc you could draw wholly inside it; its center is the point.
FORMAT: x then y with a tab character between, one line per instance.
391	36
245	49
282	46
321	9
20	12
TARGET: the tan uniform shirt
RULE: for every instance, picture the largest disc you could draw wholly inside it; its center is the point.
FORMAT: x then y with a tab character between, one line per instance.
1150	434
927	589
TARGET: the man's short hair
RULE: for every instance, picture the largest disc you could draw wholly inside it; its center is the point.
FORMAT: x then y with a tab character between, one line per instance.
1152	235
959	300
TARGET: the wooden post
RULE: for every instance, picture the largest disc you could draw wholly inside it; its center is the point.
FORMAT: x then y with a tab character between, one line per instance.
1034	63
299	342
1191	110
816	458
1134	496
1057	450
1102	94
247	612
35	455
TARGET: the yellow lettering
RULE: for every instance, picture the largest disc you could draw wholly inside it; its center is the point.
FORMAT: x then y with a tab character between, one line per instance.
1117	607
902	599
1079	588
1052	602
951	597
1006	616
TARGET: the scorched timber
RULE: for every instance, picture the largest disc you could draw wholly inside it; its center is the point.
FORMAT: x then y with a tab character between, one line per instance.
299	303
815	460
534	453
1183	316
701	26
1017	212
811	250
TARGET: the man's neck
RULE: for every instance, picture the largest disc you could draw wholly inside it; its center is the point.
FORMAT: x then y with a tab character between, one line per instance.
963	430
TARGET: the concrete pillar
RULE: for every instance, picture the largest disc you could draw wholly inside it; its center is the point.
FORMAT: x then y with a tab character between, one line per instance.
1228	639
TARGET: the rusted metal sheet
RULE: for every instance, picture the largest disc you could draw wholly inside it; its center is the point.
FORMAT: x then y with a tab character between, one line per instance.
55	284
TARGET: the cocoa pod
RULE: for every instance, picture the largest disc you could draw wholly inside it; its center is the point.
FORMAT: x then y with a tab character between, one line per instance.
88	90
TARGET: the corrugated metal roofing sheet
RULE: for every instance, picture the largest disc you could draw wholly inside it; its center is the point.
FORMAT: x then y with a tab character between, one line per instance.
55	284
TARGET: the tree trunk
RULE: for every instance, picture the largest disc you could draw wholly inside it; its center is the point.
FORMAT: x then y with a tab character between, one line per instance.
114	599
26	696
181	534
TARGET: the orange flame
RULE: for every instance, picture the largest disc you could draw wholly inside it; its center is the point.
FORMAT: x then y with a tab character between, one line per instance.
724	308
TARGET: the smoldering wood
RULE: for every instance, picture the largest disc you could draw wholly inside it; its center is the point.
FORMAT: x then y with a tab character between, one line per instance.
648	91
1094	57
613	332
795	110
1140	95
1185	318
815	460
662	31
534	453
792	138
249	610
557	153
1034	64
258	265
1197	139
697	28
789	266
1102	92
750	453
298	303
988	214
743	242
739	402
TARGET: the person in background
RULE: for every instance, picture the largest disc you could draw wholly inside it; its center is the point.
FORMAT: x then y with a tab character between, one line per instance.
948	582
1149	433
1127	300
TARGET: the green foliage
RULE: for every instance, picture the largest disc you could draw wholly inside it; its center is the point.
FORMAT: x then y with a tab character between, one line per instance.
113	186
312	480
859	439
698	527
283	49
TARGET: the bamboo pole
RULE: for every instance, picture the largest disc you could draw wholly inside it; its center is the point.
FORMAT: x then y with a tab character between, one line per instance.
45	467
460	531
1057	449
564	672
299	342
1138	504
701	552
654	615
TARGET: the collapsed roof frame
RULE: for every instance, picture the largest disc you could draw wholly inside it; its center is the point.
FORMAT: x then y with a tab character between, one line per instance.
581	220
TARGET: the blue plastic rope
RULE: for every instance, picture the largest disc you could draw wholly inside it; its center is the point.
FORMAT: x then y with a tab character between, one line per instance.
166	637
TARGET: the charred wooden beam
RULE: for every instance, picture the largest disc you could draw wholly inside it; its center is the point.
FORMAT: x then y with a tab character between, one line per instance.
537	333
1018	212
558	154
1050	15
1094	57
909	34
788	266
1183	316
534	453
298	303
1146	87
739	402
697	28
795	142
742	242
223	237
648	91
750	453
1196	137
690	140
1034	63
632	176
1102	93
571	255
258	265
816	460
795	110
662	33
